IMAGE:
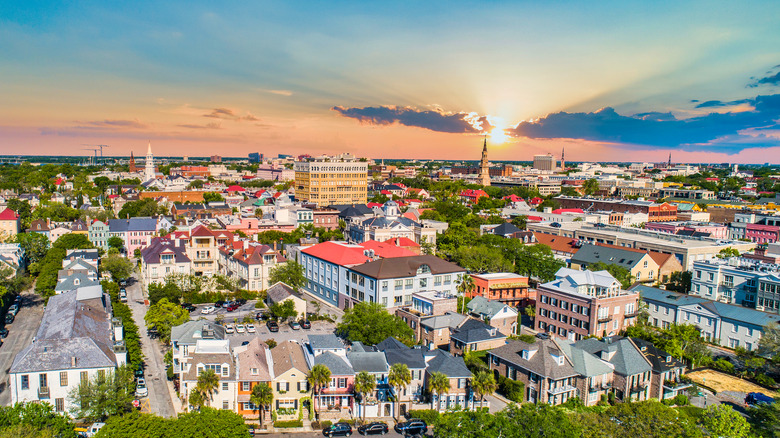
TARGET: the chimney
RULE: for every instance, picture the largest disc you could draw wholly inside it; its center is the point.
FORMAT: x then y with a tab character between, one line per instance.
73	361
246	244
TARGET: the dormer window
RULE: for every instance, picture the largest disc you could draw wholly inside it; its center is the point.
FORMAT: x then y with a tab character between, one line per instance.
255	371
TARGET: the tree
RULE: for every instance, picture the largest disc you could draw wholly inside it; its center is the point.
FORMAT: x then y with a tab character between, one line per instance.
483	383
680	281
727	252
481	258
141	208
399	378
212	197
520	221
319	378
765	419
720	420
289	273
370	323
769	344
438	384
464	287
35	246
205	423
116	242
590	186
426	248
262	396
284	310
651	419
208	384
620	273
38	418
365	384
119	267
165	315
106	394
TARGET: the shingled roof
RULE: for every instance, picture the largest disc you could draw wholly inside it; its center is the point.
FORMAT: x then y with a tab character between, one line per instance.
399	267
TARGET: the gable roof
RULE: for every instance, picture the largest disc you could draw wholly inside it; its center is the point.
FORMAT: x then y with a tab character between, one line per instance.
406	266
391	343
8	215
325	342
132	224
474	330
338	365
255	356
448	320
75	281
485	307
541	358
626	357
590	254
162	245
280	292
504	229
402	241
447	364
584	363
191	331
657	357
369	361
557	243
288	355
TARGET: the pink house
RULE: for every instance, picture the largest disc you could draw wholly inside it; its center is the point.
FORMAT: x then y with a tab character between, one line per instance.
137	232
717	231
762	233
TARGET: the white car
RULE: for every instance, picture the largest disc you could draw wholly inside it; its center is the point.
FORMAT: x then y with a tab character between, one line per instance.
140	388
240	328
208	309
123	296
93	429
250	328
230	329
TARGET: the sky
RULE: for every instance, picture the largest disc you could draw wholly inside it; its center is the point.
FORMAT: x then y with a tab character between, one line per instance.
606	81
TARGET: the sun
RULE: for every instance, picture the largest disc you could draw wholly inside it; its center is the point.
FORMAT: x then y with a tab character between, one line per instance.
497	135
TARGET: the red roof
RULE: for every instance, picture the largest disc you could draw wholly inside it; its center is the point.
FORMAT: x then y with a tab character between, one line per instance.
277	194
235	188
537	201
200	230
413	200
59	181
339	254
403	242
8	215
373	204
387	250
386	192
471	193
534	218
248	177
567	210
259	193
513	198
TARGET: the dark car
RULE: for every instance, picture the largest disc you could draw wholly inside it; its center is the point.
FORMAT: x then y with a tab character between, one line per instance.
373	429
305	324
18	300
139	372
9	318
273	327
232	307
757	398
262	314
338	429
188	307
555	225
3	333
414	426
220	303
240	301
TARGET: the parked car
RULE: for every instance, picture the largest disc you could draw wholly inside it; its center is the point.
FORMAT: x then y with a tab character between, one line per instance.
305	324
93	429
240	301
232	307
139	372
415	426
240	328
757	398
230	329
338	429
18	300
375	428
123	296
273	327
3	333
263	316
220	303
14	309
294	325
208	309
140	388
250	328
188	307
9	318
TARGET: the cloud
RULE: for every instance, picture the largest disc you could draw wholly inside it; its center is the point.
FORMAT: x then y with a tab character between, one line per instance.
720	103
770	78
434	120
206	126
696	133
113	124
286	93
250	118
221	113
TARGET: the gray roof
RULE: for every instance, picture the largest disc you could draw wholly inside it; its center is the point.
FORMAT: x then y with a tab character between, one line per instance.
504	229
542	358
189	332
280	292
728	311
79	264
383	222
447	364
370	361
325	342
337	365
448	320
590	254
132	224
58	354
627	358
86	254
586	364
482	306
391	343
660	359
412	357
474	330
74	281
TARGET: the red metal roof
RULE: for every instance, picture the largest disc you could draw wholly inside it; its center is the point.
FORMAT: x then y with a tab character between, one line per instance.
235	188
387	249
8	215
336	253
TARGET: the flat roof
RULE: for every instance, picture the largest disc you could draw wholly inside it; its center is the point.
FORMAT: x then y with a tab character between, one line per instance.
499	276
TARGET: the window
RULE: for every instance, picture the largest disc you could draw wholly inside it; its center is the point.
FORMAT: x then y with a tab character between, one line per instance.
342	382
245	386
84	377
43	381
225	404
399	284
59	404
63	378
25	381
409	283
384	286
224	386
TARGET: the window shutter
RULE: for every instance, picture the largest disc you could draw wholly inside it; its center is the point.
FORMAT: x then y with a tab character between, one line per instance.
278	388
295	404
299	386
277	404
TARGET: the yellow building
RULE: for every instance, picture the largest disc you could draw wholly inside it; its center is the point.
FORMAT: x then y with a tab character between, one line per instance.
332	180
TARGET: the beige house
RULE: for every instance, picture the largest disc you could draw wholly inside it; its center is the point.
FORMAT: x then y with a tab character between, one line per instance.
290	379
281	292
9	223
642	266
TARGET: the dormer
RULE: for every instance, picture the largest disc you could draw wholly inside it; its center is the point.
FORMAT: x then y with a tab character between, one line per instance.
668	359
528	354
558	358
607	355
492	331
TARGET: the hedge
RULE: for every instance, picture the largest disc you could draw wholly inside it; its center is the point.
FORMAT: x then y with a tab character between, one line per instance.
131	335
511	389
319	425
430	416
288	424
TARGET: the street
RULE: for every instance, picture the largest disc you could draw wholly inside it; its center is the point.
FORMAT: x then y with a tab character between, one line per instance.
319	434
20	335
159	401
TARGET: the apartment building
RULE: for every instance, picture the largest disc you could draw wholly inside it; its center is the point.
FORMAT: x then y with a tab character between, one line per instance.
656	212
506	287
544	162
250	263
640	265
215	355
331	180
162	258
98	233
578	304
735	281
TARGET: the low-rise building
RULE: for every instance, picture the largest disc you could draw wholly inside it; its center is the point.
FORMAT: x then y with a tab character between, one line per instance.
250	263
426	304
459	395
506	287
495	313
641	266
10	223
632	370
215	355
474	335
254	365
666	382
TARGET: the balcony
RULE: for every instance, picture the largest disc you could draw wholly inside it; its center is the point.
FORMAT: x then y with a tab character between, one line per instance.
631	314
561	389
43	392
606	318
676	385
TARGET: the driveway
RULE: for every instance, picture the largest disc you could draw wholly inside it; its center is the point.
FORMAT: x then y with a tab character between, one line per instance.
159	400
20	335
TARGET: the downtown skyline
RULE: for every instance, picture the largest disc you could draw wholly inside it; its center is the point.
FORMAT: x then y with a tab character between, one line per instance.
618	81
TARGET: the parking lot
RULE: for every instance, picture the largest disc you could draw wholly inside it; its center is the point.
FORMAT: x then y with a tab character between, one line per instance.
20	334
284	334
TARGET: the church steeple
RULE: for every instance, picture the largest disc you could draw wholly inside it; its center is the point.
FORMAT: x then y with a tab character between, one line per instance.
563	159
484	166
149	173
131	166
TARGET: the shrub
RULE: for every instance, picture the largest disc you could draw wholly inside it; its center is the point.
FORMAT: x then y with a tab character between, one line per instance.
430	416
511	389
319	425
764	380
724	366
259	305
350	421
528	339
679	400
169	372
271	343
288	424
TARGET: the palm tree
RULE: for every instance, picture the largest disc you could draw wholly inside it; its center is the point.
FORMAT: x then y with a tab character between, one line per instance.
319	377
438	383
208	383
464	286
483	383
365	384
262	396
399	377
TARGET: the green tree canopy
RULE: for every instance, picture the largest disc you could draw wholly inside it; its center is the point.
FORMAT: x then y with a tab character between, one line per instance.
284	310
290	273
141	208
115	242
720	420
620	273
105	394
35	420
370	323
205	423
163	315
120	267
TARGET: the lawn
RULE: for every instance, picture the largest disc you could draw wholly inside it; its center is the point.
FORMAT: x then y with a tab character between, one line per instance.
724	382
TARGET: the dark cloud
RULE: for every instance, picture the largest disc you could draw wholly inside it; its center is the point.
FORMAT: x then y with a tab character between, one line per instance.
772	78
696	133
221	113
720	103
433	120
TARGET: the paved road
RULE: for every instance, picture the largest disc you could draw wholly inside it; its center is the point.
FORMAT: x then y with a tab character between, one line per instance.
159	400
391	434
20	335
